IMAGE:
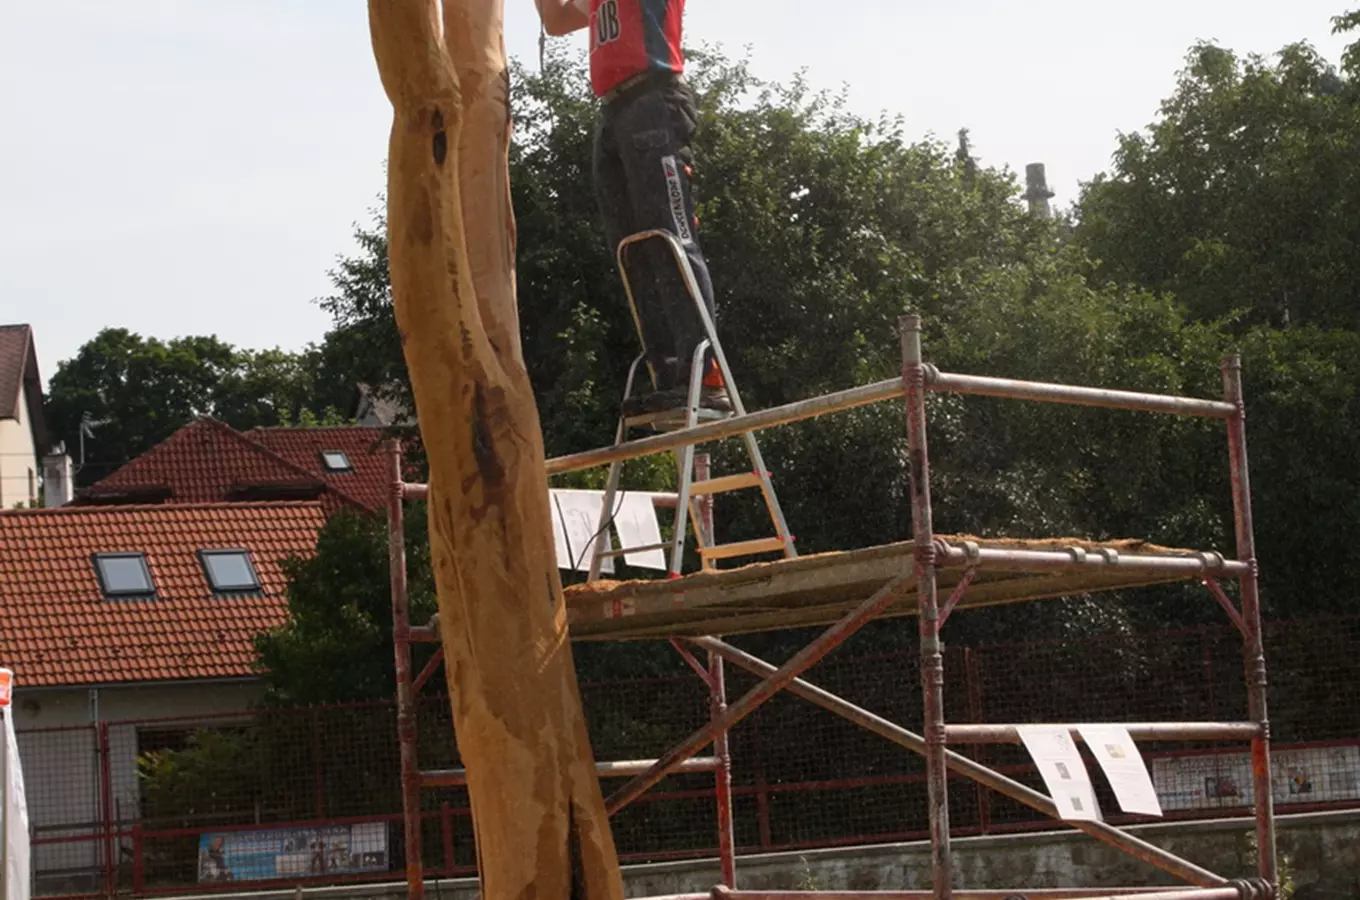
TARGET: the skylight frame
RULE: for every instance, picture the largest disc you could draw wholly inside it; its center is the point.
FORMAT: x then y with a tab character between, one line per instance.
327	463
113	593
234	591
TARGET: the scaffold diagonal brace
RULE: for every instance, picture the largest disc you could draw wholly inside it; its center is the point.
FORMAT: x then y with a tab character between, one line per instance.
962	765
775	681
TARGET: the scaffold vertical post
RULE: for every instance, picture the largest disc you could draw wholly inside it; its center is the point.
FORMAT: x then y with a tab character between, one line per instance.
727	845
401	643
1254	648
932	660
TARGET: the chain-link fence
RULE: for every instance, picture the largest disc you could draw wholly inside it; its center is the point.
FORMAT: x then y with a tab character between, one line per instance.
157	806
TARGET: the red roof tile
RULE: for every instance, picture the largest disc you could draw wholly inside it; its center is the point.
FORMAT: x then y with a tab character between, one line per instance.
369	480
56	628
208	461
19	381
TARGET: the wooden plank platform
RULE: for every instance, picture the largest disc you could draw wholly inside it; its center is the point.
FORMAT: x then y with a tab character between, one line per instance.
818	590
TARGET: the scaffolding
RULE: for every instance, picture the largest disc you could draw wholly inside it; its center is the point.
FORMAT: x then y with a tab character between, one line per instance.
900	579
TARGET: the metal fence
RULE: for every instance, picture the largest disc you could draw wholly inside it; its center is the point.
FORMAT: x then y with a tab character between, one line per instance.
287	796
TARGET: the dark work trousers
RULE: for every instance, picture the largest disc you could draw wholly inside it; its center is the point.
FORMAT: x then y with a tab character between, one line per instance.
642	182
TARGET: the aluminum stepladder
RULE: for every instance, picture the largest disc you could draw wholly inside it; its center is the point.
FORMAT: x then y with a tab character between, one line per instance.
689	490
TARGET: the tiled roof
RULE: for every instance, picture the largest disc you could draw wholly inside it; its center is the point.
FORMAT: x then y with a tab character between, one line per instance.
56	628
16	343
369	480
19	381
208	461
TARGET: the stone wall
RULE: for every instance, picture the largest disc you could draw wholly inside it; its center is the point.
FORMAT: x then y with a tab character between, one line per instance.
1320	853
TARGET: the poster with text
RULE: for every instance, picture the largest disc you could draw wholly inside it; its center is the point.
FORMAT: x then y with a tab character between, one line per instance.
281	853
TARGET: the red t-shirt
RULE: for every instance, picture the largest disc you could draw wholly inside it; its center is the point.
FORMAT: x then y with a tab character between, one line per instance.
629	37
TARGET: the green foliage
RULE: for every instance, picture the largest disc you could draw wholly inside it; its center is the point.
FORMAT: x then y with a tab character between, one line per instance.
144	389
337	643
1238	198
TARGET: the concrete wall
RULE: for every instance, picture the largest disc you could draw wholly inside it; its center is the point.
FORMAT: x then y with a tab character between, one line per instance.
18	460
58	749
1322	849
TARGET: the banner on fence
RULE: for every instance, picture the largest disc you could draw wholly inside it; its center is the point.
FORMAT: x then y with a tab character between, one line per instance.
281	853
13	808
1223	780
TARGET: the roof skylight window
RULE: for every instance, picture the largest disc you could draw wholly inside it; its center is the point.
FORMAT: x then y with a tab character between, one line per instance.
124	576
229	571
336	461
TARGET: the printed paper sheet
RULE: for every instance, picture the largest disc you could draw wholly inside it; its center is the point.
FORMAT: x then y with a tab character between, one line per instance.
1123	765
1063	771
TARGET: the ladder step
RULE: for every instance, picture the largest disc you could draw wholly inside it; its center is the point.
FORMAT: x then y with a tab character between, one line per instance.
742	548
725	483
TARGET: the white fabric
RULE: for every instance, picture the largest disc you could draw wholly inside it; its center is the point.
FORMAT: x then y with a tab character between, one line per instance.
637	526
14	810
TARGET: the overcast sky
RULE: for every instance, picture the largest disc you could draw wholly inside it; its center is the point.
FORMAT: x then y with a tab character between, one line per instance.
192	167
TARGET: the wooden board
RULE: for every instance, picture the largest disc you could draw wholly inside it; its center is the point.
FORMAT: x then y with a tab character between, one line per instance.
818	590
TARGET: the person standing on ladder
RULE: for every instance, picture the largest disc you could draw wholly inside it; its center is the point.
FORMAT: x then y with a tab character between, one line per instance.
642	171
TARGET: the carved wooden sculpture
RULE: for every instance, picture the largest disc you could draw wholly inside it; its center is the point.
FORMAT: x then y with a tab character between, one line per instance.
539	816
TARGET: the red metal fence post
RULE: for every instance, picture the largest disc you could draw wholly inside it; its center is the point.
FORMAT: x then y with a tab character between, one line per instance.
446	832
138	862
1254	647
974	682
932	661
106	814
406	715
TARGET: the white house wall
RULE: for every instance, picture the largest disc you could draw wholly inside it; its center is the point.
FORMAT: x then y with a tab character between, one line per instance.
18	460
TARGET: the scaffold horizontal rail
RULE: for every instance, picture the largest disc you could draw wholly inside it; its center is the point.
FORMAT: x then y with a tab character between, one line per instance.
1194	564
1217	893
1044	392
889	389
445	778
1139	731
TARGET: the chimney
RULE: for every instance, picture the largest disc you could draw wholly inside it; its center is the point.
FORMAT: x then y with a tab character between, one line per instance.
58	478
1038	193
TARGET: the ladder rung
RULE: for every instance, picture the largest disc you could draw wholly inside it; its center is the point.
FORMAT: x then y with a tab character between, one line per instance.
664	545
742	548
725	483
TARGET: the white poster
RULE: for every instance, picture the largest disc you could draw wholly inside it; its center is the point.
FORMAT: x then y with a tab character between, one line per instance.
1123	765
14	813
637	526
576	519
1060	764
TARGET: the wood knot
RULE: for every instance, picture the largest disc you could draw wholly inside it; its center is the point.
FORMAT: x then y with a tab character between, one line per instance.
441	138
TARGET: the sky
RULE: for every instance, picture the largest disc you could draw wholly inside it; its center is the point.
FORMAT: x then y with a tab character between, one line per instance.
190	167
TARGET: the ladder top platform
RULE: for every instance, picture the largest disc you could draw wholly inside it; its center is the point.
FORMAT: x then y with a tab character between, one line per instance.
820	589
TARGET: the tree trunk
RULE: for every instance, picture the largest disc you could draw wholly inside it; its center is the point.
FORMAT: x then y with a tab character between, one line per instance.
542	832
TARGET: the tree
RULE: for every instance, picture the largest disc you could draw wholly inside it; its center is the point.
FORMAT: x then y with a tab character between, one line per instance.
336	646
1237	200
141	390
515	700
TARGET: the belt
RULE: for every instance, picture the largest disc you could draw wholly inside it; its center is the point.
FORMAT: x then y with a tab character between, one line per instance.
629	84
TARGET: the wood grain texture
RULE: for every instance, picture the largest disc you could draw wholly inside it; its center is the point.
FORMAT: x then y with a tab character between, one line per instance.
538	812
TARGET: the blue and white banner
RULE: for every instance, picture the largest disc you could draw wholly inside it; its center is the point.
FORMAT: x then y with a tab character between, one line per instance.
282	853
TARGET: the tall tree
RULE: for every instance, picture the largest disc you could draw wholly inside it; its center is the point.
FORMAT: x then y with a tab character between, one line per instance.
516	706
1238	199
